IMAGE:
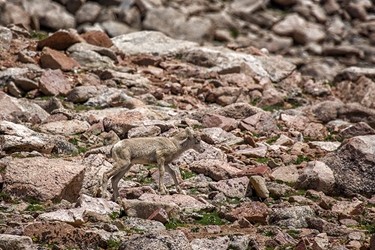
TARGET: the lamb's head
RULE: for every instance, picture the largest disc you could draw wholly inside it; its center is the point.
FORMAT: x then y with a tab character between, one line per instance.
193	140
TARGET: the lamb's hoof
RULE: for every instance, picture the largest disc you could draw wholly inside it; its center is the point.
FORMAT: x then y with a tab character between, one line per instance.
163	190
118	200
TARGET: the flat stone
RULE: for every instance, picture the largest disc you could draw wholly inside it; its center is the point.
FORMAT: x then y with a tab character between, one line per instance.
43	179
53	59
234	188
251	211
53	83
150	42
184	202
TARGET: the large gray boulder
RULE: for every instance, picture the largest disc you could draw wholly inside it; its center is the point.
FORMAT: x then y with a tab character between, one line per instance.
353	166
162	240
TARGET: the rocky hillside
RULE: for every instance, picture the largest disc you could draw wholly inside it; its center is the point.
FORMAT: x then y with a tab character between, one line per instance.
288	134
321	37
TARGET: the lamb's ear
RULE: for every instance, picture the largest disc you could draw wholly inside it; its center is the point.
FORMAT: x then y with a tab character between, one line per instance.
189	132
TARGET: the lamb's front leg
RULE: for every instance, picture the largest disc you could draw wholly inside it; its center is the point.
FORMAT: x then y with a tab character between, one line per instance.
160	162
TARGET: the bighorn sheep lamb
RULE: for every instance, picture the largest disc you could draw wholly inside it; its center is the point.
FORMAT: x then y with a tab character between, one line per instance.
149	150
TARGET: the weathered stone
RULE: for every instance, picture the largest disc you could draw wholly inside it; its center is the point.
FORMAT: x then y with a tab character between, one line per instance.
223	61
70	127
261	123
43	179
243	8
288	25
88	12
186	202
162	240
217	135
251	211
98	38
144	209
310	33
53	59
53	82
316	175
60	40
15	242
216	169
65	234
358	129
222	122
329	228
149	42
352	166
20	138
193	29
10	105
291	216
143	224
219	243
234	188
286	174
259	184
353	73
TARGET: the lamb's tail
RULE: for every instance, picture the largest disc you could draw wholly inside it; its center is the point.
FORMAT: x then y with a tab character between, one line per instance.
107	150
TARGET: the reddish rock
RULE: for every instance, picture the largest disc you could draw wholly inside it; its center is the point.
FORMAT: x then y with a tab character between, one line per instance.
159	215
53	59
146	60
122	123
216	169
98	38
225	123
60	40
53	83
251	211
43	179
135	192
235	188
261	170
63	234
261	123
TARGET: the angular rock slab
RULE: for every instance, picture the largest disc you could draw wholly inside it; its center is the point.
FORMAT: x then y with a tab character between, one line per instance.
318	176
353	166
42	178
162	240
15	242
62	233
70	127
144	209
184	202
20	138
224	61
151	42
9	104
288	217
234	188
252	211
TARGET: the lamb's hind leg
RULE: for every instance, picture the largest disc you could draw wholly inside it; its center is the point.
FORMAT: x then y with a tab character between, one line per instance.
115	180
175	176
118	167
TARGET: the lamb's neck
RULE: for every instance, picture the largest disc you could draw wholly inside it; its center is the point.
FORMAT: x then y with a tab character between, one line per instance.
180	147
